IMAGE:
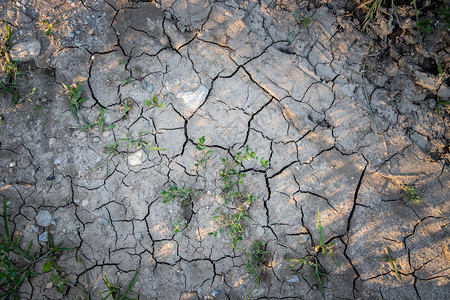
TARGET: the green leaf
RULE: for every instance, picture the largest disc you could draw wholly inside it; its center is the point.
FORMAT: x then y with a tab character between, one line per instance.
111	126
47	33
77	95
148	102
47	267
161	105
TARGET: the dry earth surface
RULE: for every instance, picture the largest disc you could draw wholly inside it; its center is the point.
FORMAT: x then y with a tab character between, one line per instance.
345	116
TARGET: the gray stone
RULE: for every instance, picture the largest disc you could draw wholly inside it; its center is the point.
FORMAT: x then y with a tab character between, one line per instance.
23	18
193	99
43	237
43	218
25	51
136	158
293	279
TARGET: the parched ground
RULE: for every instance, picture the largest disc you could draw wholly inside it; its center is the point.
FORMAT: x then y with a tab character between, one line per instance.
346	117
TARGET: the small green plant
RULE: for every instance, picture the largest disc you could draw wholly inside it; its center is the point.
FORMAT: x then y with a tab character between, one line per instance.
76	100
390	260
232	223
14	272
139	144
255	258
126	107
10	68
440	103
410	193
374	11
58	278
177	192
180	223
232	176
50	26
205	151
117	293
313	263
301	20
11	275
323	248
154	102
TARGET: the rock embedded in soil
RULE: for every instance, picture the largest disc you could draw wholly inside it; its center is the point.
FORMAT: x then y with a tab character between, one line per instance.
43	218
25	51
136	158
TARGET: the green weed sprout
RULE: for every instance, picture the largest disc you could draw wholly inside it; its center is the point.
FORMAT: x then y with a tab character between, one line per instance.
313	263
76	100
174	192
323	248
410	193
154	102
50	26
139	144
10	67
204	150
391	260
440	103
232	223
115	292
254	257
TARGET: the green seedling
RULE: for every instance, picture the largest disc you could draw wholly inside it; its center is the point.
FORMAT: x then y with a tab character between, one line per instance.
391	260
10	68
205	151
177	192
154	102
440	103
139	144
232	176
50	26
300	20
313	263
232	223
76	100
37	109
58	278
131	78
410	193
11	275
255	258
117	293
181	222
374	11
323	248
127	103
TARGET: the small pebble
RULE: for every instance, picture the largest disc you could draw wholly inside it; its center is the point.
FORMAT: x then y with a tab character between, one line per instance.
96	139
76	201
43	218
51	142
43	237
50	178
71	34
12	164
293	279
57	161
138	235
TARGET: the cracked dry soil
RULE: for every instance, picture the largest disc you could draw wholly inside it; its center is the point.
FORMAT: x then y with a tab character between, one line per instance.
225	70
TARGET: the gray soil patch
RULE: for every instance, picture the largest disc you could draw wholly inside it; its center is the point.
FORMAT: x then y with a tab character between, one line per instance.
342	120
